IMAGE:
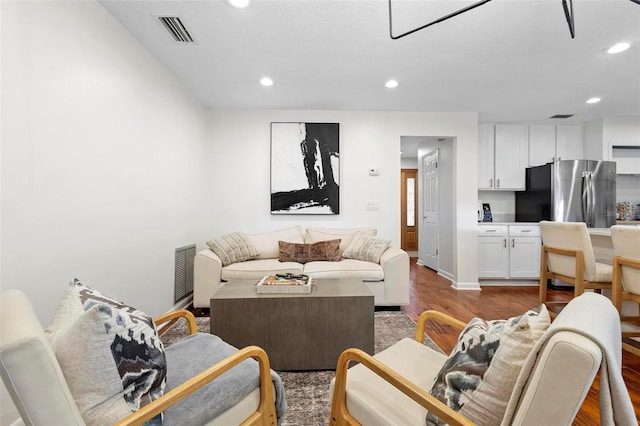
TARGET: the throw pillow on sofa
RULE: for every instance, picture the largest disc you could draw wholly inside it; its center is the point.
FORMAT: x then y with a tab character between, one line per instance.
232	248
303	253
469	381
267	242
110	355
367	248
346	235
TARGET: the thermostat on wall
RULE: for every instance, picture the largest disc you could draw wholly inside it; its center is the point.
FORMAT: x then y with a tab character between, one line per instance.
373	171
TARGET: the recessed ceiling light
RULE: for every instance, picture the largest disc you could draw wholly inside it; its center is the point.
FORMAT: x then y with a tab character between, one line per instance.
391	84
266	81
617	48
593	100
238	3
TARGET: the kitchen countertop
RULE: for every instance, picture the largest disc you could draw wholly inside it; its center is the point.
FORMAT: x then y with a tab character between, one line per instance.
509	223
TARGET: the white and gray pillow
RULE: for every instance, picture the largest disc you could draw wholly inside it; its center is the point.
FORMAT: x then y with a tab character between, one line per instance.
233	247
110	354
478	377
367	248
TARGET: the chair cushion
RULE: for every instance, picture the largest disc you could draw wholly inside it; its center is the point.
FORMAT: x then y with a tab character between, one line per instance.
256	269
367	248
303	253
478	377
346	268
267	242
110	354
232	248
373	401
194	354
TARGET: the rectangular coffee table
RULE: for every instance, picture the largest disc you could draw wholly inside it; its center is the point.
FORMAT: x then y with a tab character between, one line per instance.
298	331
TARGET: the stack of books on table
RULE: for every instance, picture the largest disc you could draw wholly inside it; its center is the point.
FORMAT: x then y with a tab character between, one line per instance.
284	283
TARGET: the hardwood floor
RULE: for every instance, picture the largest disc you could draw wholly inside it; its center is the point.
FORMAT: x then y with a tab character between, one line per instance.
430	291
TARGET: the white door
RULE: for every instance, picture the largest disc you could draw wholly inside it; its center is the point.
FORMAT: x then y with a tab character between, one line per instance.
430	210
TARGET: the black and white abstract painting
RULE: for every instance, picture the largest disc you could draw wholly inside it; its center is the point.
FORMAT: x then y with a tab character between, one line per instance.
305	168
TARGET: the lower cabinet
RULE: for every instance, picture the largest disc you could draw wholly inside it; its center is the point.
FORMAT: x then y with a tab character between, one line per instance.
509	251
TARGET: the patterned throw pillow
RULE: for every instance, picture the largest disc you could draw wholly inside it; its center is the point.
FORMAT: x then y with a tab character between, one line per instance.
478	377
303	253
110	355
367	248
232	248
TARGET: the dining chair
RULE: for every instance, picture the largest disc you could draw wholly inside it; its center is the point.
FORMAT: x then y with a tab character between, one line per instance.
626	281
567	255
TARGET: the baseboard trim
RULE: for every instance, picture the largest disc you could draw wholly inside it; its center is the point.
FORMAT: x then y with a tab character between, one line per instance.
465	286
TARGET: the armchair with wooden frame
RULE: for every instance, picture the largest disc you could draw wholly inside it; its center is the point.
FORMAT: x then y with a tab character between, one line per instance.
567	255
626	281
38	388
393	387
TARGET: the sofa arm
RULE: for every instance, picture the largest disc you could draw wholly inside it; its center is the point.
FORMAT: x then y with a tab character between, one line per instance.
395	264
207	269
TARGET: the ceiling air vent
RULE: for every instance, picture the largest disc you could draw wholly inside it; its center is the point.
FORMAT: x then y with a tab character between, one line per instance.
174	25
561	116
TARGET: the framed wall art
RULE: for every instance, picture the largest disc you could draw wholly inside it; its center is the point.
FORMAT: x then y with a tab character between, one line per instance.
305	168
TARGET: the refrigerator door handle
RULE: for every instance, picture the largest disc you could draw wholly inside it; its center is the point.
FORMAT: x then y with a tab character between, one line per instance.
588	201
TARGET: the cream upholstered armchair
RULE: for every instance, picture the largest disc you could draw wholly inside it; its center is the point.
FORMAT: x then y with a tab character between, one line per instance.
567	255
42	394
626	279
537	375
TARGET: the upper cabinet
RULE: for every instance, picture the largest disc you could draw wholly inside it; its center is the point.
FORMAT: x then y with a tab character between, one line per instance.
502	156
616	139
552	142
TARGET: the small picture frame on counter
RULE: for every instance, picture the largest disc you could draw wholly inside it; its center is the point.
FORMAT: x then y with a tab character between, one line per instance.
486	213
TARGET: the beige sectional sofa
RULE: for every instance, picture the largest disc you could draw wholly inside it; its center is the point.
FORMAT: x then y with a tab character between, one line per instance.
388	279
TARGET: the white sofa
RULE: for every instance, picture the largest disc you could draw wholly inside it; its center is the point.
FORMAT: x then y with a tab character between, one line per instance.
388	280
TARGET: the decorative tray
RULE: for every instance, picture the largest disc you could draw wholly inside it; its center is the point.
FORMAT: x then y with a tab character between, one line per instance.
284	283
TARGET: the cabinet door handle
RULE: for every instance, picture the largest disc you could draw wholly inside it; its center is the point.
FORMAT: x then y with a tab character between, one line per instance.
526	230
497	183
491	230
490	183
505	243
513	242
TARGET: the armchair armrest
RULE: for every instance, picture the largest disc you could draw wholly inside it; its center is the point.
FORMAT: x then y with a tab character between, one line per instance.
265	414
175	315
438	316
340	414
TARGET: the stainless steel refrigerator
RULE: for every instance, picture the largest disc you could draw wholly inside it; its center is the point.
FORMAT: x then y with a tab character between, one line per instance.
570	191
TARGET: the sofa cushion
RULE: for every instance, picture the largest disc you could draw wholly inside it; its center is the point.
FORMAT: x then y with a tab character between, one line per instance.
303	253
256	269
233	247
346	268
478	377
109	353
267	243
314	235
367	248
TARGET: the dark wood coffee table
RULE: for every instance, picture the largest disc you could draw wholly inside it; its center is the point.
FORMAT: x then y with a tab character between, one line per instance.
298	331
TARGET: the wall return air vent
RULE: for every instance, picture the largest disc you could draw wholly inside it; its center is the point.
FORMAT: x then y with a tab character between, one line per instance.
176	28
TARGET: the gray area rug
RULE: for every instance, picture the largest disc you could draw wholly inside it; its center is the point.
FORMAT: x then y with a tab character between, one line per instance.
308	392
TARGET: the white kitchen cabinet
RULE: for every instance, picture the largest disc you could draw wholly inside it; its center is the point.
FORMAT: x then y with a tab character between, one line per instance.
485	156
493	251
524	251
569	142
502	156
509	251
511	156
542	144
551	142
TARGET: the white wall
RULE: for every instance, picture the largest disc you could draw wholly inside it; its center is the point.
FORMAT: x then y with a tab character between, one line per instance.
104	159
240	140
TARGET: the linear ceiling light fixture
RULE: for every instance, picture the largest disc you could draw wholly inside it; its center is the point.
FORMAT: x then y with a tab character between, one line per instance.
567	6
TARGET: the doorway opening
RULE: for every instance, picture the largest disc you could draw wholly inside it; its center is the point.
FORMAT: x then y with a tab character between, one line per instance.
432	157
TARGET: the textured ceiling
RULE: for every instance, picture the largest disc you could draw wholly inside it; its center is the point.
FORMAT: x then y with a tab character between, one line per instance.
509	60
